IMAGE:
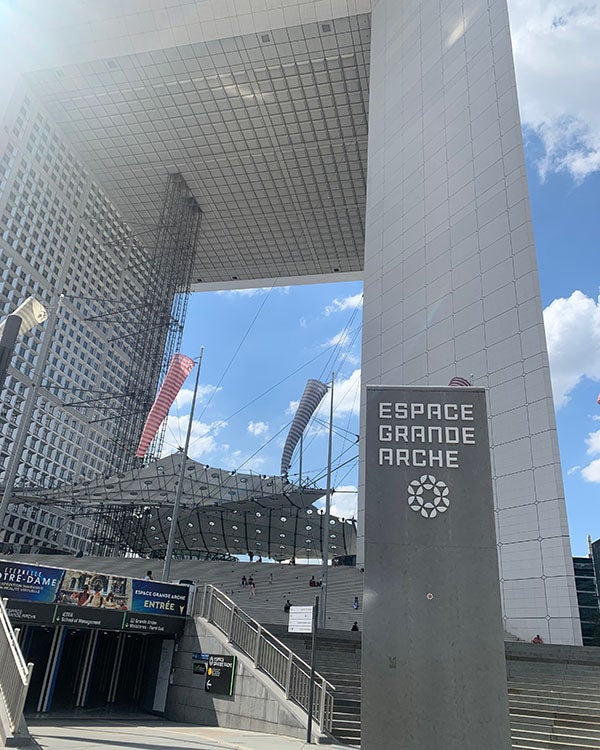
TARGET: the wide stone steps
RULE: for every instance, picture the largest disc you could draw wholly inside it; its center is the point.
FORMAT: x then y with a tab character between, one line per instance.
539	724
556	707
545	741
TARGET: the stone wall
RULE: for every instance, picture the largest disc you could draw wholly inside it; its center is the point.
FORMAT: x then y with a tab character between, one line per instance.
257	704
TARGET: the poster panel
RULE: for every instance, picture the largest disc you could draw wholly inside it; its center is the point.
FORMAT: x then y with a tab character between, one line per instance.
84	588
29	582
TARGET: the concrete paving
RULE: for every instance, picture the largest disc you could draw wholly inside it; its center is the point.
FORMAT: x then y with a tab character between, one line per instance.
152	735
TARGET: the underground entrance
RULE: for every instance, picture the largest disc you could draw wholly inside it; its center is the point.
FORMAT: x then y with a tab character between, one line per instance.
77	669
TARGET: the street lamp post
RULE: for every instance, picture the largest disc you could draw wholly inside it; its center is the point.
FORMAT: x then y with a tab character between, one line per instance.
30	313
325	524
10	331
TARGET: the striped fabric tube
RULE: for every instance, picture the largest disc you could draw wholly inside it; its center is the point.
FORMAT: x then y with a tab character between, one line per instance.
179	368
459	382
311	398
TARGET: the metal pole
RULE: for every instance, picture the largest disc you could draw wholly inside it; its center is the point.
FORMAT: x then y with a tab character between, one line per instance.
7	344
300	467
325	541
313	658
25	422
173	528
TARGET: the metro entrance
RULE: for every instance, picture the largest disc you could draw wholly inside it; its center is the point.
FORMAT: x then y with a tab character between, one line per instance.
95	669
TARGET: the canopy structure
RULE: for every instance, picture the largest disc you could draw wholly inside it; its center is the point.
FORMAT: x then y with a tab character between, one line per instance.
222	513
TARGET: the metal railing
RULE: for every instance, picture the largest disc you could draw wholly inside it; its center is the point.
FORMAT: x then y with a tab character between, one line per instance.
269	654
14	672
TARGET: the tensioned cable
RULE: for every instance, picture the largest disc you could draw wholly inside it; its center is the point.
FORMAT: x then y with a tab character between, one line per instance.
339	431
337	458
264	445
341	342
335	354
239	346
354	458
272	387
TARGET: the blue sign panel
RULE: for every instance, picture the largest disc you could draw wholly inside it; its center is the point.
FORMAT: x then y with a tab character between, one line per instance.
157	598
33	583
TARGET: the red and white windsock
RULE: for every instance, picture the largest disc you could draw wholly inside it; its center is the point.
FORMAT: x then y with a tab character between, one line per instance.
179	368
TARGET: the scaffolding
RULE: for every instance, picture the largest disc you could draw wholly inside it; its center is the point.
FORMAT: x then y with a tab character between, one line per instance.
119	530
159	323
149	340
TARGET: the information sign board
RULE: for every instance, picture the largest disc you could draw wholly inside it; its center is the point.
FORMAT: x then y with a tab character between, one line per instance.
88	617
143	623
301	620
31	613
431	573
220	674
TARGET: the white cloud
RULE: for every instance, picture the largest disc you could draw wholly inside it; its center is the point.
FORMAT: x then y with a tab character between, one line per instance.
591	472
573	335
202	440
258	428
341	339
593	443
344	502
233	459
346	303
254	292
557	63
351	359
244	292
573	470
185	395
346	398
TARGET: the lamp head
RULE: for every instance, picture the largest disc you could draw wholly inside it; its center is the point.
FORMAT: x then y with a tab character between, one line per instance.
31	312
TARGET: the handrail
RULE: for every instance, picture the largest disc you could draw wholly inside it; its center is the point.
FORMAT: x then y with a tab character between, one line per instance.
269	654
284	649
15	674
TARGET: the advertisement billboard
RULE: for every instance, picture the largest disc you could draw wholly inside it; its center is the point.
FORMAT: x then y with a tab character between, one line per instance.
83	598
29	582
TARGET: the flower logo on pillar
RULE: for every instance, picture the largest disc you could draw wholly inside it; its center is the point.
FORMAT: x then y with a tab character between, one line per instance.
428	496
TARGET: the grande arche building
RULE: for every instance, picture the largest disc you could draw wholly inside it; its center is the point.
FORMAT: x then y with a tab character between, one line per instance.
287	142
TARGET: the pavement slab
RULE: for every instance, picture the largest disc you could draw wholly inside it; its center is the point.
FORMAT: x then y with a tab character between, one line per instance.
153	735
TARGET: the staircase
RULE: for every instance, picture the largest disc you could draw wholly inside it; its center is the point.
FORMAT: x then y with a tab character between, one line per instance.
346	708
338	660
553	691
554	697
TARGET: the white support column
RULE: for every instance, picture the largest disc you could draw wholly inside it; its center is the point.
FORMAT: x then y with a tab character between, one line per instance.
451	283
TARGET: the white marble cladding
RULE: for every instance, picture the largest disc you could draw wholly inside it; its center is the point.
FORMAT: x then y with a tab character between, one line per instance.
451	284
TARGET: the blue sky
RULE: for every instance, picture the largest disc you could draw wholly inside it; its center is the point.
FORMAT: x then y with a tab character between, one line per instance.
262	345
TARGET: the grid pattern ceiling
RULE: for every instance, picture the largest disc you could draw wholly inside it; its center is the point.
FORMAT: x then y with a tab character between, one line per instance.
268	130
